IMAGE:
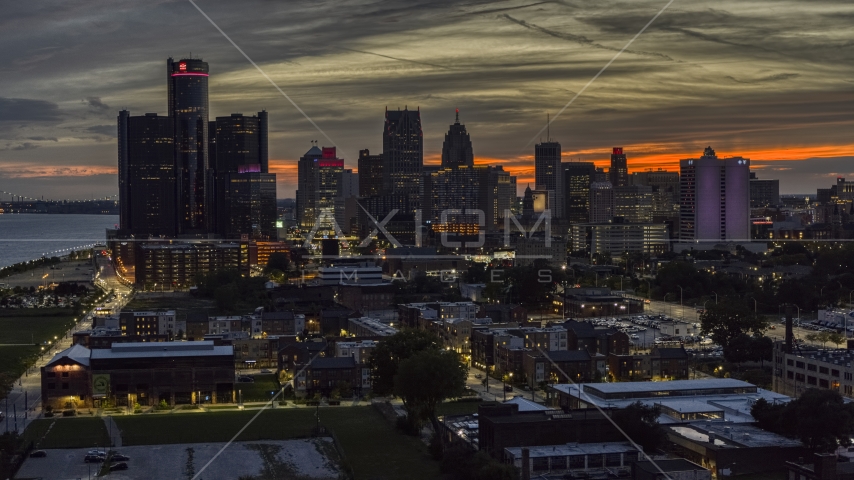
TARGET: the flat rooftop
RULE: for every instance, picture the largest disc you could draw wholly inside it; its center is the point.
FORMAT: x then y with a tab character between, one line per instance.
204	348
571	449
733	435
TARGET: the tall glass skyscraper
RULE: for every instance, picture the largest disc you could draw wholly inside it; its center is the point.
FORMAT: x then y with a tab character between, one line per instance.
548	174
187	81
403	154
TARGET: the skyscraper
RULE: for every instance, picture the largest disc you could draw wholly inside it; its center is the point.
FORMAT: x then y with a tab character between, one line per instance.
239	183
577	177
457	149
146	175
548	174
370	173
187	81
403	154
714	198
619	172
601	202
319	174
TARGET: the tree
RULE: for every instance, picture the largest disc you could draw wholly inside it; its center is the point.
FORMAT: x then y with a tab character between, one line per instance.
819	418
278	261
388	354
640	423
738	350
836	338
425	379
727	320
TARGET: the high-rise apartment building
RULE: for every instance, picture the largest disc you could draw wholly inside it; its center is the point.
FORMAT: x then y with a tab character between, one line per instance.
619	172
187	81
403	154
714	198
146	174
457	148
601	202
577	177
548	174
319	174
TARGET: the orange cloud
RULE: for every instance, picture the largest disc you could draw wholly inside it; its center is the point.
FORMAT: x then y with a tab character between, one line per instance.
21	170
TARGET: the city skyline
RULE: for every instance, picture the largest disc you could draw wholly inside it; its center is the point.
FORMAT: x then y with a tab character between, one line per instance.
766	85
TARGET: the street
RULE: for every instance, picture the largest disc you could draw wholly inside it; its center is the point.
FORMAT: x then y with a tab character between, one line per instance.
22	405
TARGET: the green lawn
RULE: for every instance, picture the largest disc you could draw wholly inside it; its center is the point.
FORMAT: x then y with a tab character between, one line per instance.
34	325
259	390
68	433
372	447
457	408
27	326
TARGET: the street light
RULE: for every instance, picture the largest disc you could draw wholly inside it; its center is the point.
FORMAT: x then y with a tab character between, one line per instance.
716	297
681	306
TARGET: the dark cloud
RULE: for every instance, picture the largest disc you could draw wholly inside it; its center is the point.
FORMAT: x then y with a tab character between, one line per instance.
108	130
95	103
20	146
43	139
28	110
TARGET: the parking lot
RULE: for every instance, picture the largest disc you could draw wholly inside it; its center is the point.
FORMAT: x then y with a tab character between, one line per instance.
267	459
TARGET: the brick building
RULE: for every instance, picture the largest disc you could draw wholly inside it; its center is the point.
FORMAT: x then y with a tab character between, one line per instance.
66	379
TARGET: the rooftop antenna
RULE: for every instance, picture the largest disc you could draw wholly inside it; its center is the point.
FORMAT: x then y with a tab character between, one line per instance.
548	128
458	115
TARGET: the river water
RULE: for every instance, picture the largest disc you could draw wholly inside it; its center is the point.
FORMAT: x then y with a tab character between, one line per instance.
30	236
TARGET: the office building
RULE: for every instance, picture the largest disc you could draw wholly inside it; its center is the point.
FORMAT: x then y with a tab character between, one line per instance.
633	203
577	177
187	81
574	459
714	199
319	174
548	175
496	196
238	141
619	172
601	202
246	205
146	175
619	238
403	154
660	181
828	369
764	193
451	199
457	148
370	174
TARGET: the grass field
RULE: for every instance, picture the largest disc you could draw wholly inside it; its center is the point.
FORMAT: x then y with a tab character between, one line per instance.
457	408
372	447
259	390
27	326
67	433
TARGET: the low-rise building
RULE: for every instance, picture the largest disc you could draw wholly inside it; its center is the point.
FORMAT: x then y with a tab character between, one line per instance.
681	401
360	350
369	327
502	426
813	368
611	458
67	379
598	302
824	466
675	469
730	449
660	364
329	376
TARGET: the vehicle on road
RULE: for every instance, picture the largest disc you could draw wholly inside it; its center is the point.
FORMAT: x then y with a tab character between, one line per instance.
38	454
97	452
508	388
93	459
266	370
118	466
478	375
118	457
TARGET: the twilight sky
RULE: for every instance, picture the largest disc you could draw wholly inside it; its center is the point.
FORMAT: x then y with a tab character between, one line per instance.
769	80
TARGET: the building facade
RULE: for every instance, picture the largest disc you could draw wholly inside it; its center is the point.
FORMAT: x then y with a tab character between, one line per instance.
714	199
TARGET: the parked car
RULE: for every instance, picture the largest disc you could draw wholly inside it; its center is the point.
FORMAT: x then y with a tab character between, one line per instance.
118	466
38	454
478	375
97	452
508	388
118	457
93	459
266	370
